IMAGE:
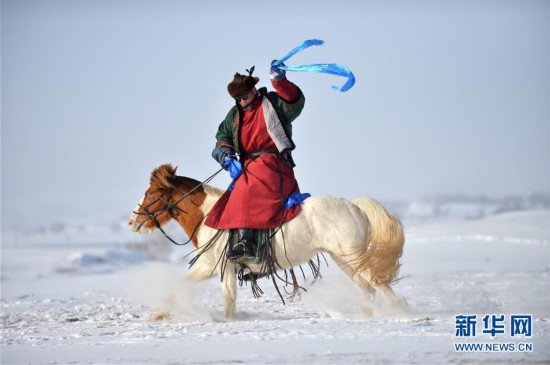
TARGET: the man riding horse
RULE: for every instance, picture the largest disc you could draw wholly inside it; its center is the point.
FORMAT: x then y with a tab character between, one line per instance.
257	131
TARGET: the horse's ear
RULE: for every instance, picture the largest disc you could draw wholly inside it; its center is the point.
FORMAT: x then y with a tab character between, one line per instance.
163	176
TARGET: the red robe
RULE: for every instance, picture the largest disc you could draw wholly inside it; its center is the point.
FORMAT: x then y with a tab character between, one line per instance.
260	193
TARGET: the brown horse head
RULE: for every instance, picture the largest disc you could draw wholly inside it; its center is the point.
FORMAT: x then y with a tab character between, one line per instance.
170	196
155	208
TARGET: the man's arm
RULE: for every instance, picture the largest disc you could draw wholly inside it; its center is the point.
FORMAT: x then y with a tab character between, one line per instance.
286	90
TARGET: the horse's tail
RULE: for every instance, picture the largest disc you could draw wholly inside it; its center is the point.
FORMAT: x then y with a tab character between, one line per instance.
385	243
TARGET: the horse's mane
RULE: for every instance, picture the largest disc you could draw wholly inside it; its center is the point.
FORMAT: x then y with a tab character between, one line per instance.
163	176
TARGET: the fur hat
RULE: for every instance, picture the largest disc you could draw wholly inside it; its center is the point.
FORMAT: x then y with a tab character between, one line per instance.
242	84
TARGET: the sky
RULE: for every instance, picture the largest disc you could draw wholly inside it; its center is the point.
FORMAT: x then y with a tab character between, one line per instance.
451	97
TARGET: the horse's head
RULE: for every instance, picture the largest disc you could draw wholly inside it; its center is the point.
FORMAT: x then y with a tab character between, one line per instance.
155	209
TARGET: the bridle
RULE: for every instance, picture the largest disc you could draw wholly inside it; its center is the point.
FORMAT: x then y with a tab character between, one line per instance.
171	208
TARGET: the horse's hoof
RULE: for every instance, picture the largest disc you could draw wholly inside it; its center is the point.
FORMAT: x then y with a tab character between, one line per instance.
401	303
158	315
399	306
367	311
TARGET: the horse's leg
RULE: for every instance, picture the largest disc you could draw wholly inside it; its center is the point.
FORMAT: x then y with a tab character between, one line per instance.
199	272
364	284
392	298
196	274
369	289
229	290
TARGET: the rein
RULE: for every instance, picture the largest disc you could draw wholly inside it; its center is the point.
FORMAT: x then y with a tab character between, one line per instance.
171	207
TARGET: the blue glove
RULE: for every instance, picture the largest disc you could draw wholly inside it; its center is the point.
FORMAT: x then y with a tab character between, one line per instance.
276	74
234	166
296	199
220	154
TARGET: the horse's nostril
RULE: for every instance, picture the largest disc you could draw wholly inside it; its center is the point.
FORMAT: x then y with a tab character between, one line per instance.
130	223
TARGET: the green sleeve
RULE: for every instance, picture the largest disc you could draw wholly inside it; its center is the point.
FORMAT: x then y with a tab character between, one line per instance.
291	111
287	112
224	136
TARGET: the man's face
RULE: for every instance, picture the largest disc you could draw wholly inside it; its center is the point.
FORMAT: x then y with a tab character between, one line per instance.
249	98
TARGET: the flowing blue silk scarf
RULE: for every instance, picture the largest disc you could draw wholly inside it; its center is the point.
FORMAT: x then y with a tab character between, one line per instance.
327	68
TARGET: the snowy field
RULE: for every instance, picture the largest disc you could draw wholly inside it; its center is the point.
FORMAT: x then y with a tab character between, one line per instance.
86	299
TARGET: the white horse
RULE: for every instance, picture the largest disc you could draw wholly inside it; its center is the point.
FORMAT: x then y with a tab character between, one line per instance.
361	236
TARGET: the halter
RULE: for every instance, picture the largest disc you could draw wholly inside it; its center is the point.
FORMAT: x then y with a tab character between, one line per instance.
171	208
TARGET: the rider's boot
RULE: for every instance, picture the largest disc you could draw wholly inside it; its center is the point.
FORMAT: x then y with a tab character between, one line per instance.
246	247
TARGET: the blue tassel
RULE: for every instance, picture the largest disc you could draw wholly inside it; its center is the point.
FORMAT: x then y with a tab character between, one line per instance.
295	199
327	68
235	168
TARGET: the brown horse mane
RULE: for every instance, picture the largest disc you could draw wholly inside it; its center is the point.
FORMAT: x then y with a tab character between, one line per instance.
163	176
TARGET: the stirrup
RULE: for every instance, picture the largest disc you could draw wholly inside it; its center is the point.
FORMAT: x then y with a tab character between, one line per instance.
241	252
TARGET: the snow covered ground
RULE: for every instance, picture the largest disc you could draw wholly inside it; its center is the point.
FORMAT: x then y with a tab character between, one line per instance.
79	300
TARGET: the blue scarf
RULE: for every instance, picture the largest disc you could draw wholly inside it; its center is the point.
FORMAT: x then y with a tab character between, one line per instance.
327	68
